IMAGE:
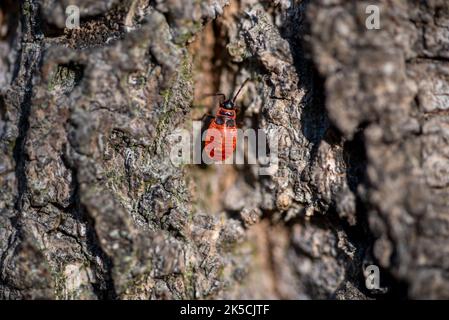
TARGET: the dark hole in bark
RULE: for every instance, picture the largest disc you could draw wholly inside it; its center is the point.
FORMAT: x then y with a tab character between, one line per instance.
9	19
2	114
51	30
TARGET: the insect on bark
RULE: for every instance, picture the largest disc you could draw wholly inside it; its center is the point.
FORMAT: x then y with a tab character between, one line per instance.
221	135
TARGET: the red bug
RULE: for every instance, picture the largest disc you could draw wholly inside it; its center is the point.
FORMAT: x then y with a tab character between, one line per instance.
221	135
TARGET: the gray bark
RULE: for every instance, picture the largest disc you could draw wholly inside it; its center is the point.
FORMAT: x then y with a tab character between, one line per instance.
92	208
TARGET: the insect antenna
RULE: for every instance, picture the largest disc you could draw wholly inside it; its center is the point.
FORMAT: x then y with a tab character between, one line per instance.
238	92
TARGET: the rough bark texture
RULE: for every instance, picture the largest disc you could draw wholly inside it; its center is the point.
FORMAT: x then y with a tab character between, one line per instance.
92	208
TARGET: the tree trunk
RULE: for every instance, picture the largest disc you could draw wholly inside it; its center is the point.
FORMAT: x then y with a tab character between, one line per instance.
91	207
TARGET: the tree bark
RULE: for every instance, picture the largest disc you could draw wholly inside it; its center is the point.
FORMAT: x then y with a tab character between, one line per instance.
91	207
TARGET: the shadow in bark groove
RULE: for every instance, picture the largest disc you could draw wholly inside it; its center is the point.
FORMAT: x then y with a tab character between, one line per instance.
19	147
104	286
